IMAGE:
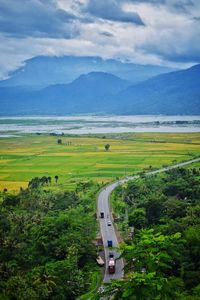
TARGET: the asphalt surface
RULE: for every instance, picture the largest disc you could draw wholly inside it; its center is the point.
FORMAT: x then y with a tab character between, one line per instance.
108	232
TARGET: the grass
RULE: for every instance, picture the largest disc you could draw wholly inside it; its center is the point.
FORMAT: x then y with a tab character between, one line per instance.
84	157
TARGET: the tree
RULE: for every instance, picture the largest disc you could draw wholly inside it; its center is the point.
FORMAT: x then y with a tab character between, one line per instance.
192	265
46	244
193	215
107	147
170	205
144	286
154	208
44	180
59	141
148	262
137	218
34	183
49	179
11	200
175	208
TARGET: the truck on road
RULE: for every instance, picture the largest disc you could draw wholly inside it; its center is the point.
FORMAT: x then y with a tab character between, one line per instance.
111	266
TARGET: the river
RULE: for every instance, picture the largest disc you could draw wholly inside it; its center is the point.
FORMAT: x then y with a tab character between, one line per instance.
85	124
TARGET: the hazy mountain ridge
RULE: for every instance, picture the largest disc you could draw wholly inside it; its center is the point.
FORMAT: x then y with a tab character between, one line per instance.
87	93
99	92
42	71
172	93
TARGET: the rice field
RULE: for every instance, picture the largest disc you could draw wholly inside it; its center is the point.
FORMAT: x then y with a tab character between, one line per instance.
84	157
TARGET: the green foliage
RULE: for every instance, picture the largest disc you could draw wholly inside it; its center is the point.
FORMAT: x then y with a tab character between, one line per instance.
59	141
37	182
137	218
11	200
107	147
46	244
149	268
163	259
153	252
145	286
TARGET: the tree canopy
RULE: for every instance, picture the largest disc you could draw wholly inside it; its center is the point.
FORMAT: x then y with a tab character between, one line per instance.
163	257
46	243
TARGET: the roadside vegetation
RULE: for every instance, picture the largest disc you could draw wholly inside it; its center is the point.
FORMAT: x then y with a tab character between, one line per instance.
46	242
160	219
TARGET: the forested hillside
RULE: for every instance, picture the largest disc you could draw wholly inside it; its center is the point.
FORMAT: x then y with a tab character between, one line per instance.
46	245
46	239
163	252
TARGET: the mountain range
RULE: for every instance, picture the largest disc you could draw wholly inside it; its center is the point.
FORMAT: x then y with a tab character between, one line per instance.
176	92
42	71
173	93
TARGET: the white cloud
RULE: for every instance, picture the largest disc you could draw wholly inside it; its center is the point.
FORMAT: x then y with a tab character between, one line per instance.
170	36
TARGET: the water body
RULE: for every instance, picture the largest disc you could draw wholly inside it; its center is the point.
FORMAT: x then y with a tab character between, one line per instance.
85	124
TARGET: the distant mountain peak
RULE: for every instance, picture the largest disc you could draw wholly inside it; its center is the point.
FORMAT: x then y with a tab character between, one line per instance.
102	82
42	71
101	92
97	75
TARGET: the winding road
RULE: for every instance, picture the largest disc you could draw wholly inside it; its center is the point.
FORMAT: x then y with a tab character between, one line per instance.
108	232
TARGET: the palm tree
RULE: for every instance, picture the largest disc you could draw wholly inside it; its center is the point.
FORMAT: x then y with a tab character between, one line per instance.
49	180
56	178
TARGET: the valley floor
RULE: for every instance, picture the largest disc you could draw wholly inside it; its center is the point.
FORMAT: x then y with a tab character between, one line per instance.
84	157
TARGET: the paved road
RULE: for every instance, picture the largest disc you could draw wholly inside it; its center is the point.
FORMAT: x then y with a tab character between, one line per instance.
108	232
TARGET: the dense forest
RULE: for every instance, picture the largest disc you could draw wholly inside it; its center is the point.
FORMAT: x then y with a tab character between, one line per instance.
162	252
46	249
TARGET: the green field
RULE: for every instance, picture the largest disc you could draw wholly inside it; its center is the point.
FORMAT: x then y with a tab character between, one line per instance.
80	158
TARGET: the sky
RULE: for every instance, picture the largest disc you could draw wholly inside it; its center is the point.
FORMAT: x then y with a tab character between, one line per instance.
161	32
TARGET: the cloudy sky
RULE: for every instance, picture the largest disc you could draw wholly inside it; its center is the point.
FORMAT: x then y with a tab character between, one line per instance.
164	32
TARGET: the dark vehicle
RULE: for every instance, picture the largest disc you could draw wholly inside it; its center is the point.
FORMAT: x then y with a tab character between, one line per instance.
101	214
111	255
109	243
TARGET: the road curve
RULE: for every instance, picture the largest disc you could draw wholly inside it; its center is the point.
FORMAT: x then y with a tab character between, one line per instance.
108	232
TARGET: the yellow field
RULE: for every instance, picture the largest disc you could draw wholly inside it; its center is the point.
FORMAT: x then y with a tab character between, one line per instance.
23	158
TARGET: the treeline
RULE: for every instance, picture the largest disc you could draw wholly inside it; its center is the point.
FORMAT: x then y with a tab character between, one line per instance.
46	242
162	252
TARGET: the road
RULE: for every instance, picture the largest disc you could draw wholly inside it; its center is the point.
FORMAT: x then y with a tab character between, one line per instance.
108	232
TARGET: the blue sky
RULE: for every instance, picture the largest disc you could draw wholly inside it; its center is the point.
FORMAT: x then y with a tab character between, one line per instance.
164	32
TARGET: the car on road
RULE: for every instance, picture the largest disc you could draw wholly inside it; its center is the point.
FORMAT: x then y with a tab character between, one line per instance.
111	255
101	214
109	223
110	243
